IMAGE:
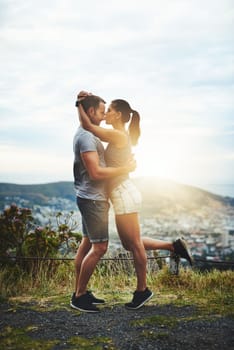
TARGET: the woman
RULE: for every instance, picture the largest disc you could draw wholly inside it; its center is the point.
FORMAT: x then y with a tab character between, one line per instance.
125	197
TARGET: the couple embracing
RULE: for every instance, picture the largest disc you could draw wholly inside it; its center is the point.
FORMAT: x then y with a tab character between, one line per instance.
101	175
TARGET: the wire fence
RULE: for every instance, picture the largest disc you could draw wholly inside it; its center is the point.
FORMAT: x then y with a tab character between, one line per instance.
230	263
65	259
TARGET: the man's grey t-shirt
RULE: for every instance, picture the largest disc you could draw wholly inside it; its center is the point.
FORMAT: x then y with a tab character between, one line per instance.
85	141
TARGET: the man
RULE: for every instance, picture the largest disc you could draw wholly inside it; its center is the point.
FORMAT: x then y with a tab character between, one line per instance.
90	174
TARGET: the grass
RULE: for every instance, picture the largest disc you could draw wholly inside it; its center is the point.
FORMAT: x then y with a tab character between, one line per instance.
14	338
211	292
19	338
211	295
158	320
99	343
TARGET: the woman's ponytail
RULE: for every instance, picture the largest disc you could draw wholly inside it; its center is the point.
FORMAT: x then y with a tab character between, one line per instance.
134	127
128	114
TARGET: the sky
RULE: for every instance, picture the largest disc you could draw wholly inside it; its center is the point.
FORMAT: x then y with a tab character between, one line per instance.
172	60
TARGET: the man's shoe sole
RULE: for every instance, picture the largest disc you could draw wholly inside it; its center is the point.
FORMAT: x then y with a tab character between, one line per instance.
139	306
83	310
98	303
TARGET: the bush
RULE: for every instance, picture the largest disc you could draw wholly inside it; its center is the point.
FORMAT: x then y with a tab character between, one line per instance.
15	225
21	238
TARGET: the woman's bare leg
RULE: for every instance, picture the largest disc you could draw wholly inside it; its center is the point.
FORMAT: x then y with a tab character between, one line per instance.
154	244
129	233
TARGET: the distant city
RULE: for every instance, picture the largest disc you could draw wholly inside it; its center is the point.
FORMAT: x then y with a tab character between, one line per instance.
209	231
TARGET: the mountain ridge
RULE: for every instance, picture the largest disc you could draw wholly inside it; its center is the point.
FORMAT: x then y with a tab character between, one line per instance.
155	193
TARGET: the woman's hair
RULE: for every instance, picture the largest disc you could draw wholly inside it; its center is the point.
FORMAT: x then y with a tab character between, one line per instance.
127	114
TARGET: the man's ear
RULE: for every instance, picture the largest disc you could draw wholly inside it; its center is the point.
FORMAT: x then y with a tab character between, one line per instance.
91	112
118	115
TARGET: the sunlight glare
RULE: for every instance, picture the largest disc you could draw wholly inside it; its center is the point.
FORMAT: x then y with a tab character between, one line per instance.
166	157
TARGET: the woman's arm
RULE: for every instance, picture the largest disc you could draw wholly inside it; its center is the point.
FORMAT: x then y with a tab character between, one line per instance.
107	135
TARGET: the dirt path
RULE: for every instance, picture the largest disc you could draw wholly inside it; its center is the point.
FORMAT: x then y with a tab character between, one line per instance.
114	328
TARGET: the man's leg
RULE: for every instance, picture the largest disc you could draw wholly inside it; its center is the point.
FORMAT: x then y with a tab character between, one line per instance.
95	226
82	251
88	265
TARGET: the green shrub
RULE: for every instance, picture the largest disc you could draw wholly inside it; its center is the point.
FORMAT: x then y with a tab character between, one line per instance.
24	241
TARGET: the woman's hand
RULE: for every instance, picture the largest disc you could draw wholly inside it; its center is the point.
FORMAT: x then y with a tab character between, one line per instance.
82	94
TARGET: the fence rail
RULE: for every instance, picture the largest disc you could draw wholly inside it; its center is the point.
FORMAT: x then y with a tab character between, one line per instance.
231	263
48	258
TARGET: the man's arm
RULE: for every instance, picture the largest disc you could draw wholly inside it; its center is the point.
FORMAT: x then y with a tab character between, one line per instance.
96	172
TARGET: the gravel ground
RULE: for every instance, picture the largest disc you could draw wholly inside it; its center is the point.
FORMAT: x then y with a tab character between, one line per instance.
125	327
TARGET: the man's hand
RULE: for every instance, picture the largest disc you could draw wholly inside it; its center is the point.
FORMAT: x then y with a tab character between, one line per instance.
131	165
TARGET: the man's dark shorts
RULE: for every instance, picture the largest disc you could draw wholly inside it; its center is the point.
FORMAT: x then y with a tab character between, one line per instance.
94	219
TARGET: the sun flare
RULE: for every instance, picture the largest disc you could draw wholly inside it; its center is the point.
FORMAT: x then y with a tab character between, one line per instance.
166	157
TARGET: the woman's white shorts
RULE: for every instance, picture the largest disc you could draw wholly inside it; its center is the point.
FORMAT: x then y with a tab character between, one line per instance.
126	198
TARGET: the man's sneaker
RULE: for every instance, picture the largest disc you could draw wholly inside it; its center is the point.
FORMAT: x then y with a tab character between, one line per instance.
73	297
139	299
93	299
181	249
83	303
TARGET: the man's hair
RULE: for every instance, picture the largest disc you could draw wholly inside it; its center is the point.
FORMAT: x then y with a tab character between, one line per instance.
91	101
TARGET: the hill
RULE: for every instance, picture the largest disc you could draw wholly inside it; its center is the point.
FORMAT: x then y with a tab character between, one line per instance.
36	194
156	194
159	194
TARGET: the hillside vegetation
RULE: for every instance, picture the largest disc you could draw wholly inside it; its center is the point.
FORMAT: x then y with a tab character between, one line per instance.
37	194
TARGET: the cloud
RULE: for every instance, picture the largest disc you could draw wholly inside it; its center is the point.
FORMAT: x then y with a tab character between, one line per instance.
171	59
31	165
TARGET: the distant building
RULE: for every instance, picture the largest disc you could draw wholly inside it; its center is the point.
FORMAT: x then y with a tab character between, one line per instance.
225	238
